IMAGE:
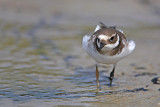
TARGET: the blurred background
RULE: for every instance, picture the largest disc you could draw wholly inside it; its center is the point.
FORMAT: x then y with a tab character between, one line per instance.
42	62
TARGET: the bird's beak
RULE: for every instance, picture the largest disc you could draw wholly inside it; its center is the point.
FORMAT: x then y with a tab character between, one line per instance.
102	45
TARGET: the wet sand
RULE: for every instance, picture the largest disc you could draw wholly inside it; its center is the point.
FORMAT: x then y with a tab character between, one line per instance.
42	62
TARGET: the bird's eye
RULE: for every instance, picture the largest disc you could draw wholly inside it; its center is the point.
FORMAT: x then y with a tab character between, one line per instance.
112	38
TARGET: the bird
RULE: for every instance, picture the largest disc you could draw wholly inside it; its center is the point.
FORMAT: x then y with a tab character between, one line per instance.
107	45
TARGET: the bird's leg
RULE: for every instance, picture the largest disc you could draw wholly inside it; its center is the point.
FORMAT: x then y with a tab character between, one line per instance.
112	74
97	76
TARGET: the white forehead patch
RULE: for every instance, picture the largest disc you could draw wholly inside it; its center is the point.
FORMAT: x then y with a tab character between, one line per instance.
114	34
103	37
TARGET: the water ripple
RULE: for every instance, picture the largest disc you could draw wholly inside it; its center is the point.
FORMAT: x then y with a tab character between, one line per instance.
85	77
5	64
23	66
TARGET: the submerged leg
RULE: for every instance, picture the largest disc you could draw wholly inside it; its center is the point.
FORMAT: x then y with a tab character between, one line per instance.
112	74
97	76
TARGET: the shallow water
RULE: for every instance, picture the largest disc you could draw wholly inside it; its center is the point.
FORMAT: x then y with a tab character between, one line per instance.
43	64
37	71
